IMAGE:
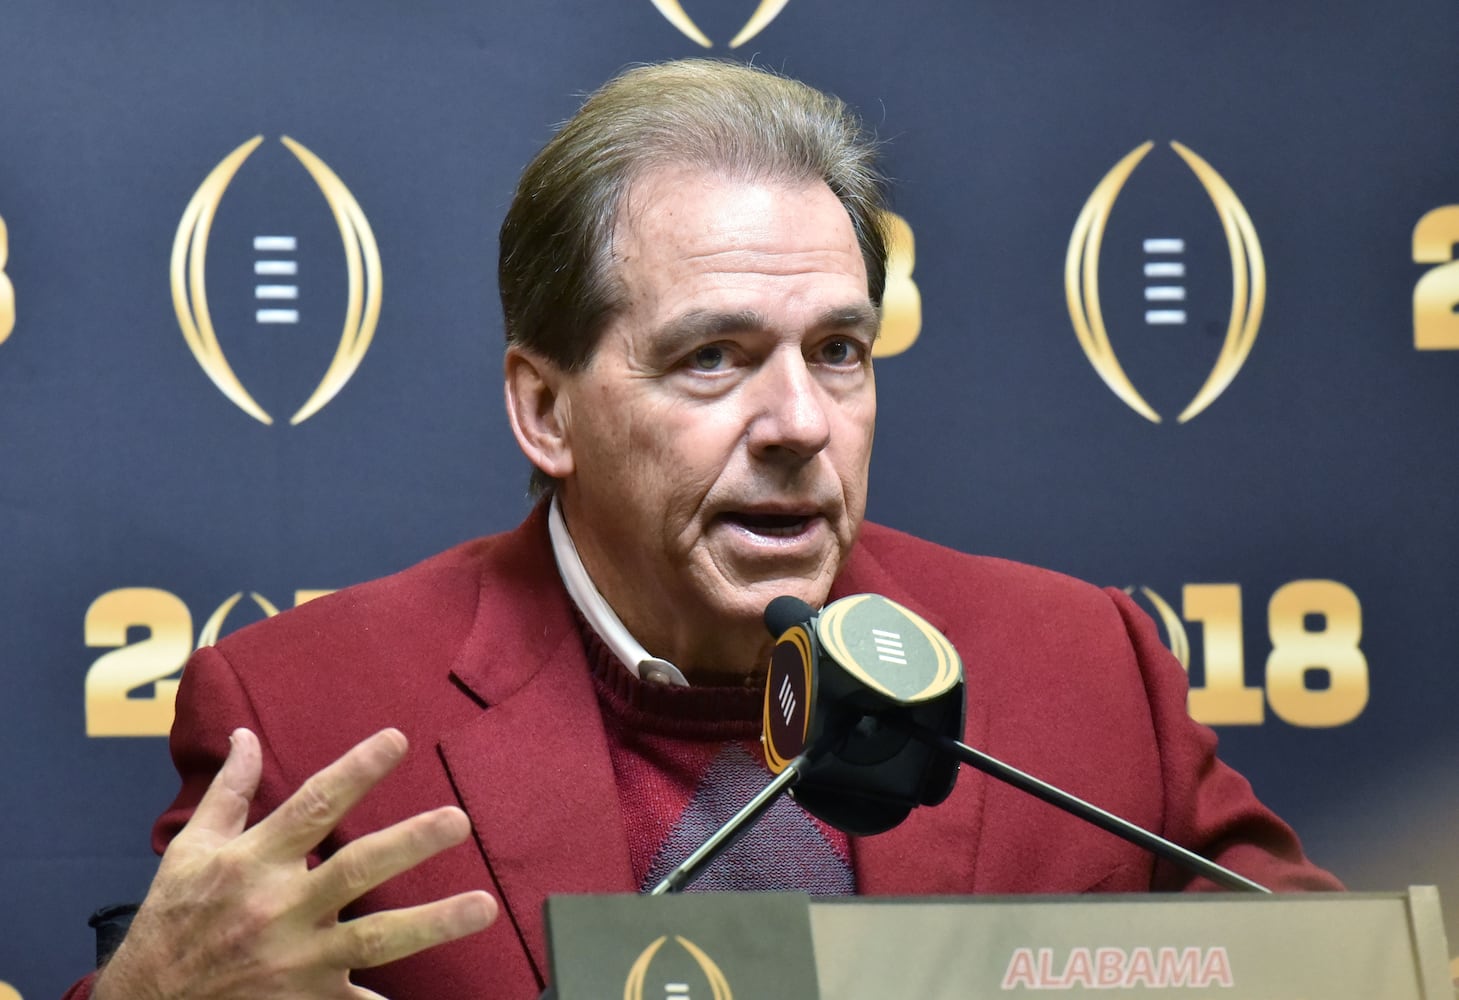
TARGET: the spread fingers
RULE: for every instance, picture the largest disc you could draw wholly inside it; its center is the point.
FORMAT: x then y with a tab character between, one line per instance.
390	935
363	864
305	818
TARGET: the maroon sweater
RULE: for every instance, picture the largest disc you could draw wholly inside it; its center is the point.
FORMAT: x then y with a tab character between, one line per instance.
685	759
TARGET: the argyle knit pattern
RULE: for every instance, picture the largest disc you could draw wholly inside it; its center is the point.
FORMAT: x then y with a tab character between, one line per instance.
687	759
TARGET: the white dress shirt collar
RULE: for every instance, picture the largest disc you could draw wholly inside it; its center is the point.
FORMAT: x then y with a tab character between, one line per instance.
600	617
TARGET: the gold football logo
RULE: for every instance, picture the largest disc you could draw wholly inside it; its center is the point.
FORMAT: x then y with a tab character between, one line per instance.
213	627
1248	283
633	987
189	289
673	11
7	290
1176	637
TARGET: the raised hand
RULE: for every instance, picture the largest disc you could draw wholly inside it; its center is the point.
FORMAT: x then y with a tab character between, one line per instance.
237	913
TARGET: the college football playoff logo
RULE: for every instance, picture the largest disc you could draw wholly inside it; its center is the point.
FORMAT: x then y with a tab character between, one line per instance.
1165	289
1177	640
277	290
635	987
213	627
7	290
673	11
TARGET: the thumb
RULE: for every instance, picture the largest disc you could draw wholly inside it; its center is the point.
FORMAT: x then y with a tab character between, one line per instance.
223	810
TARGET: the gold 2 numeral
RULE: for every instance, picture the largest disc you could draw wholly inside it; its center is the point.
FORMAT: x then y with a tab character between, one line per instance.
1436	296
117	700
111	709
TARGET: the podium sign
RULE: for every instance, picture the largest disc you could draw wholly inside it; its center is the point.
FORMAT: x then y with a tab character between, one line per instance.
692	946
1349	946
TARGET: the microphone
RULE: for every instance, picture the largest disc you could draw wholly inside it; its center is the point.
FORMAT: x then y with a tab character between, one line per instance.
822	736
786	612
861	694
835	679
863	722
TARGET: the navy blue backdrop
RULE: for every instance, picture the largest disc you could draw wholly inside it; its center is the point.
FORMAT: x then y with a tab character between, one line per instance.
1288	238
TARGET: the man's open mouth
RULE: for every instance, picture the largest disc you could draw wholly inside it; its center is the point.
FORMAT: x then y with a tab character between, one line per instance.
773	525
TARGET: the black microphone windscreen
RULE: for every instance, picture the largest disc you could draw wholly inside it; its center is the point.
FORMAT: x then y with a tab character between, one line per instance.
786	612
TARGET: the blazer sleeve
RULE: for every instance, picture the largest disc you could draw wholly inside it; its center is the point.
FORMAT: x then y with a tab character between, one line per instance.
1209	808
211	703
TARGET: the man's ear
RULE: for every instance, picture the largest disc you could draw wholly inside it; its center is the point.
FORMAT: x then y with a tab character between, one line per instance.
538	410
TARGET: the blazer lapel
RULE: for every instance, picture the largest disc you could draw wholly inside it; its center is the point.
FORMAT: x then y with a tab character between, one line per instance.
934	851
532	770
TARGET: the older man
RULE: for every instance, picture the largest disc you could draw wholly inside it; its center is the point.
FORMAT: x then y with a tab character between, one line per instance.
690	274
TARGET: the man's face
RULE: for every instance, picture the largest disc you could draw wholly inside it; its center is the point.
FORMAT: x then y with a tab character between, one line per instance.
720	439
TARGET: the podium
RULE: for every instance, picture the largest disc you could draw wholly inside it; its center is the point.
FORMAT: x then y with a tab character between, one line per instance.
766	946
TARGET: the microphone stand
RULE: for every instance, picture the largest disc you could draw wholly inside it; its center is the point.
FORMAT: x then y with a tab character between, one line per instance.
722	838
1086	811
731	831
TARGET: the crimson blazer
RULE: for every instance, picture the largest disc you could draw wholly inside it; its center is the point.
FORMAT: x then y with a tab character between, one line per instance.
476	656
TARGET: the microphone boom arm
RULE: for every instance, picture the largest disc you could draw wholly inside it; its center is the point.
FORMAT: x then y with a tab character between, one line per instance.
726	835
1089	812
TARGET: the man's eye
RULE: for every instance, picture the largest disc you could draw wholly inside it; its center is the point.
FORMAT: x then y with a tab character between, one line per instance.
840	351
708	359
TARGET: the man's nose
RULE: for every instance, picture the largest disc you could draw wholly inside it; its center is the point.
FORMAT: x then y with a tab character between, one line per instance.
791	417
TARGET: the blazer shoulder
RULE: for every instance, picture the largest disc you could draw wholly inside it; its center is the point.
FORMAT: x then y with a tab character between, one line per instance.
446	579
940	575
429	608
